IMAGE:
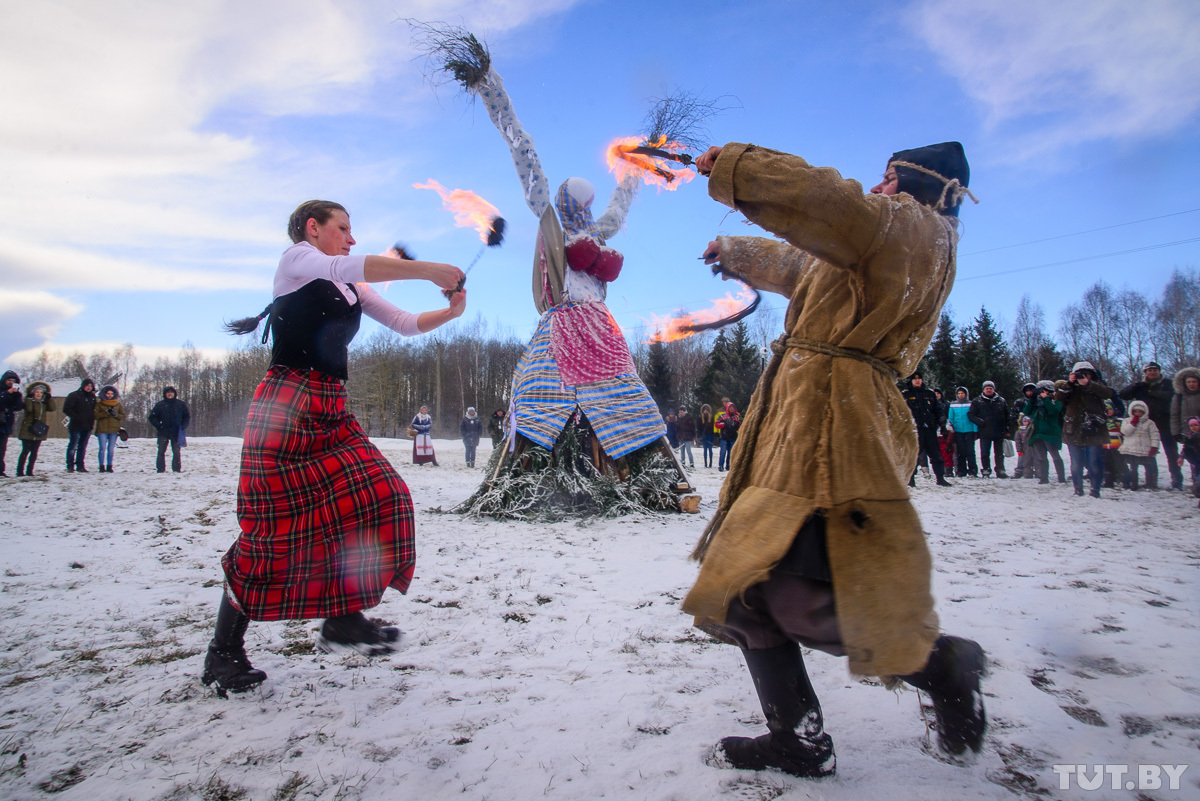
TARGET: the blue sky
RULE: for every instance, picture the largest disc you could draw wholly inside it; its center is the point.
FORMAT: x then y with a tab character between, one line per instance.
151	153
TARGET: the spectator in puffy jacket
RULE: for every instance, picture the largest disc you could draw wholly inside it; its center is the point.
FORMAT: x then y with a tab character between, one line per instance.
170	418
685	431
1141	444
1021	407
1186	403
34	425
10	403
708	432
1085	424
496	427
79	407
989	412
1022	443
1157	393
965	433
1189	452
109	413
1046	437
470	429
927	416
728	422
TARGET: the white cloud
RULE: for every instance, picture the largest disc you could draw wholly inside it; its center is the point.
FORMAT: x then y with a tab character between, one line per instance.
52	267
1049	74
28	318
144	355
152	125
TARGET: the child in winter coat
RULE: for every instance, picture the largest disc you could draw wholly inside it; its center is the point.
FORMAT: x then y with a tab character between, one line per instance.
34	425
1021	441
1189	451
1141	444
1114	461
947	444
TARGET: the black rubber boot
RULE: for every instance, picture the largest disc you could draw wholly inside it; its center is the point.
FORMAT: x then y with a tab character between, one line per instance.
952	678
796	742
353	632
226	663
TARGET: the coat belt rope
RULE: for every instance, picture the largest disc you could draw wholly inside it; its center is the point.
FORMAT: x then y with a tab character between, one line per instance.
785	343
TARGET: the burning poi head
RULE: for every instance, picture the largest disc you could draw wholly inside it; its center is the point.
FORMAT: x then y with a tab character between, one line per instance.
470	211
723	311
658	163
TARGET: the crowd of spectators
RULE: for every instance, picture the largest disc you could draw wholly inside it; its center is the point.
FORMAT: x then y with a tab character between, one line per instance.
1113	437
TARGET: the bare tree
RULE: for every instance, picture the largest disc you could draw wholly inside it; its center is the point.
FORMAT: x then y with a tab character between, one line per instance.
1134	336
1028	337
1088	329
1177	318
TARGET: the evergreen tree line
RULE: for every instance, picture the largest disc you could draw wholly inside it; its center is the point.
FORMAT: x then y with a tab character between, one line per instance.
1118	331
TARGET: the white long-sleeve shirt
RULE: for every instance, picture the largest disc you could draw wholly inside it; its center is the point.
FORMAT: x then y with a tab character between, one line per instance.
302	263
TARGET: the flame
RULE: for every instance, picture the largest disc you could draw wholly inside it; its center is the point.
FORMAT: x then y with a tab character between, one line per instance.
670	329
470	210
654	171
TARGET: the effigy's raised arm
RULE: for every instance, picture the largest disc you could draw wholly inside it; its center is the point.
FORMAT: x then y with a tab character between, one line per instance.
610	222
499	107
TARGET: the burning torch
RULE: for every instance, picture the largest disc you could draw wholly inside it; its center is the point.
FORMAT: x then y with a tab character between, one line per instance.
470	211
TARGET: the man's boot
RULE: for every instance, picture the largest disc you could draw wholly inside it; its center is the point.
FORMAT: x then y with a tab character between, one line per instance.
796	742
952	678
226	663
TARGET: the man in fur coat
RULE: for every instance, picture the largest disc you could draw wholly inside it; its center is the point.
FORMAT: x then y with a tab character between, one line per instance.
815	540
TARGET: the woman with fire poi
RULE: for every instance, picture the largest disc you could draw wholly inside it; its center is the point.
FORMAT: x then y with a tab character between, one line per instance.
815	540
577	362
327	522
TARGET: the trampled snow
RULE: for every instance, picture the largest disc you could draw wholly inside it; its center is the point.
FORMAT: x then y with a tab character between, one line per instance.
552	661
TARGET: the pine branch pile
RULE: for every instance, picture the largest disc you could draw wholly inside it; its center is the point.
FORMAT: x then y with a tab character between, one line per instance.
451	49
546	486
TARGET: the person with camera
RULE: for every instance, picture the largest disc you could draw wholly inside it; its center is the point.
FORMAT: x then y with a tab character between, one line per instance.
34	425
108	415
10	403
1085	424
79	407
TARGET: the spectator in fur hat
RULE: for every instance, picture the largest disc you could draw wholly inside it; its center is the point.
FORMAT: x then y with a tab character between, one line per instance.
1157	392
1186	403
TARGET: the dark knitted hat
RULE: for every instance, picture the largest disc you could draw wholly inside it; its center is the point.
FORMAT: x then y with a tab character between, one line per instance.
948	161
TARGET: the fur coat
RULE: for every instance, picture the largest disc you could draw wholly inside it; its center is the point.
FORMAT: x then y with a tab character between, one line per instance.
827	429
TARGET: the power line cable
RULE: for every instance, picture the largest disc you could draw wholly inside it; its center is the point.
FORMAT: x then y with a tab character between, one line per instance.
1082	258
1080	233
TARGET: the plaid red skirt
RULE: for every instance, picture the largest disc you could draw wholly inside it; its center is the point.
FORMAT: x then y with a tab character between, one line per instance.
327	522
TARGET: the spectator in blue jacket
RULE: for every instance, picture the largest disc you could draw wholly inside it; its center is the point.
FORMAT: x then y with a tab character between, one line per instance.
965	433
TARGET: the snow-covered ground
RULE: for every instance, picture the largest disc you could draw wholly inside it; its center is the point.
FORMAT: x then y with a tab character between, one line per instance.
553	661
